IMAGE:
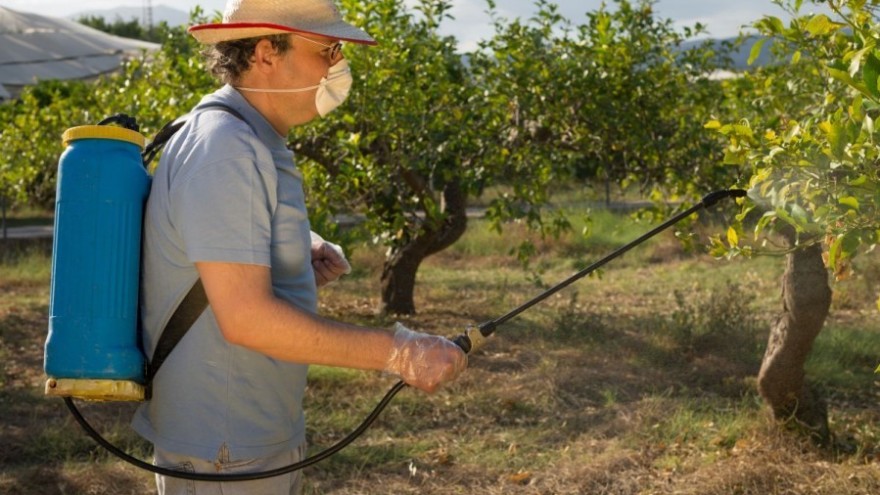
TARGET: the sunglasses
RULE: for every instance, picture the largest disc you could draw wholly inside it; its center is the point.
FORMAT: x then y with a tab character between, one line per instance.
334	48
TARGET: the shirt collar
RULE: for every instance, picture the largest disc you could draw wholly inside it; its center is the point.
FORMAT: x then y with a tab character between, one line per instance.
229	96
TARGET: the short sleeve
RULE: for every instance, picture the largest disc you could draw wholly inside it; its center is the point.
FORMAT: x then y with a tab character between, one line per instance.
223	212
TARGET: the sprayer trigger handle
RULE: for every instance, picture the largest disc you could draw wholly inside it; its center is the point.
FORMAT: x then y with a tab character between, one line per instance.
463	342
471	340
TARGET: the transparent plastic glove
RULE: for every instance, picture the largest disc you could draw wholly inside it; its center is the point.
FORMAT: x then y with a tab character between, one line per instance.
424	361
328	261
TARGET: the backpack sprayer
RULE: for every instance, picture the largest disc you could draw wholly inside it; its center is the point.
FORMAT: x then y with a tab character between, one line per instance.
92	350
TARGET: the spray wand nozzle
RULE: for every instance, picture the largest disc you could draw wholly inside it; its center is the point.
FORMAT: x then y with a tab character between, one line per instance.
474	337
716	196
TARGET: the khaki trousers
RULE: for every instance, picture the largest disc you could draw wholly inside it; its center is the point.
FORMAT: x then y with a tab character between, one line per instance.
287	484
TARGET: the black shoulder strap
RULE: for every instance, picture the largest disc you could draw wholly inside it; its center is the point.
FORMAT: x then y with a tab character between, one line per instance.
160	139
191	307
172	127
195	301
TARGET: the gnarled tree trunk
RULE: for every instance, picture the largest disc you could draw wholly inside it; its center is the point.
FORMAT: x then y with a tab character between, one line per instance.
806	297
399	272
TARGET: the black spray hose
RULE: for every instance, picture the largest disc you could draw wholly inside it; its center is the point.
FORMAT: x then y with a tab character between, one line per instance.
320	456
472	339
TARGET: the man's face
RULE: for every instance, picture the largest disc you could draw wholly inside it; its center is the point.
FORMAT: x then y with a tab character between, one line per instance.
306	62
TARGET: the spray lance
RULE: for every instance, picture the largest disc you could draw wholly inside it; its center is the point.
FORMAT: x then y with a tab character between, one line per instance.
472	339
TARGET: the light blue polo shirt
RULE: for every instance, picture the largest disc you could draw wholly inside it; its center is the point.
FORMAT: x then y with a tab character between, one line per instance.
225	190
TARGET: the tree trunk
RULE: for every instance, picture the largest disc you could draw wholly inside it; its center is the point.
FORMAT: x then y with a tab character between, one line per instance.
399	272
399	280
806	297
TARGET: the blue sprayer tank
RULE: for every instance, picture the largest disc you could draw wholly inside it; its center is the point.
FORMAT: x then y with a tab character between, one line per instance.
92	347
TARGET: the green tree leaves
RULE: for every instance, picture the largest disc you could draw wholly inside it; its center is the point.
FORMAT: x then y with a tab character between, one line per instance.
815	168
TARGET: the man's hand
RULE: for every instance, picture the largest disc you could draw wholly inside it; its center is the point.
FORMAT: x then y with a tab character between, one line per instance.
424	361
328	261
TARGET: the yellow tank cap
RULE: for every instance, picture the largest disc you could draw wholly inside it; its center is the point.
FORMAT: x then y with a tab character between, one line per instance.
100	390
103	132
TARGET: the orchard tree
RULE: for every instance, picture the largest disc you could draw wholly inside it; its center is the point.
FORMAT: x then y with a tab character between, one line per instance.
618	99
814	159
636	111
30	139
416	140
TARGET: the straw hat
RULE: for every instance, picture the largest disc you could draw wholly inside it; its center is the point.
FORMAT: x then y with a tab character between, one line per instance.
251	18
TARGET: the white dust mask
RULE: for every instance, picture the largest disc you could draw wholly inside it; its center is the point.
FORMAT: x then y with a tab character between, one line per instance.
332	90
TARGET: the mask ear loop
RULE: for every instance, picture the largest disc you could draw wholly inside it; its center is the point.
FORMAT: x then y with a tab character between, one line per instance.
298	90
341	72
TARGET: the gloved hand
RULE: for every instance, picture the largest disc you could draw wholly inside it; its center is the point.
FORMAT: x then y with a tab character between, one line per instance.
328	261
424	361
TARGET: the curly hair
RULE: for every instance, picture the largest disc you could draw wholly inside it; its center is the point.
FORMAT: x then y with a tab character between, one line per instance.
229	60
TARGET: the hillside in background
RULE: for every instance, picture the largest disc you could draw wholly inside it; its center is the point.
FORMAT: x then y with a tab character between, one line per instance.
740	55
170	15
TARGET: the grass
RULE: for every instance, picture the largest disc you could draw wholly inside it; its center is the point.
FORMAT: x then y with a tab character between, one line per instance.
639	380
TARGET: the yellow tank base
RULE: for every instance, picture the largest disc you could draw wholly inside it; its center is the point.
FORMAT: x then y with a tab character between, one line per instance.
97	390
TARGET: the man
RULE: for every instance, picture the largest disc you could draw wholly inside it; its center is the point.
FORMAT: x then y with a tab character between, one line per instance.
227	207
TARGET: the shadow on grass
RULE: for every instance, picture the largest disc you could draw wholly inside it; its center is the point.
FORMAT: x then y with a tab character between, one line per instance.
40	441
54	480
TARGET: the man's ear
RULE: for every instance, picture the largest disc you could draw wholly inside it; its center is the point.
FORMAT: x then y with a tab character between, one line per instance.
265	56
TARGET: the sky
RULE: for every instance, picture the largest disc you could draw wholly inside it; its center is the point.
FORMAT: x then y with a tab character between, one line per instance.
723	18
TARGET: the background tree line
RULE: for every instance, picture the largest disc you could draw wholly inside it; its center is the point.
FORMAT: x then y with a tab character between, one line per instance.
614	99
132	28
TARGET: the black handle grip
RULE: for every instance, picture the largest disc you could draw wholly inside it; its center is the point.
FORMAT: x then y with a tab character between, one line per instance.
464	342
123	120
